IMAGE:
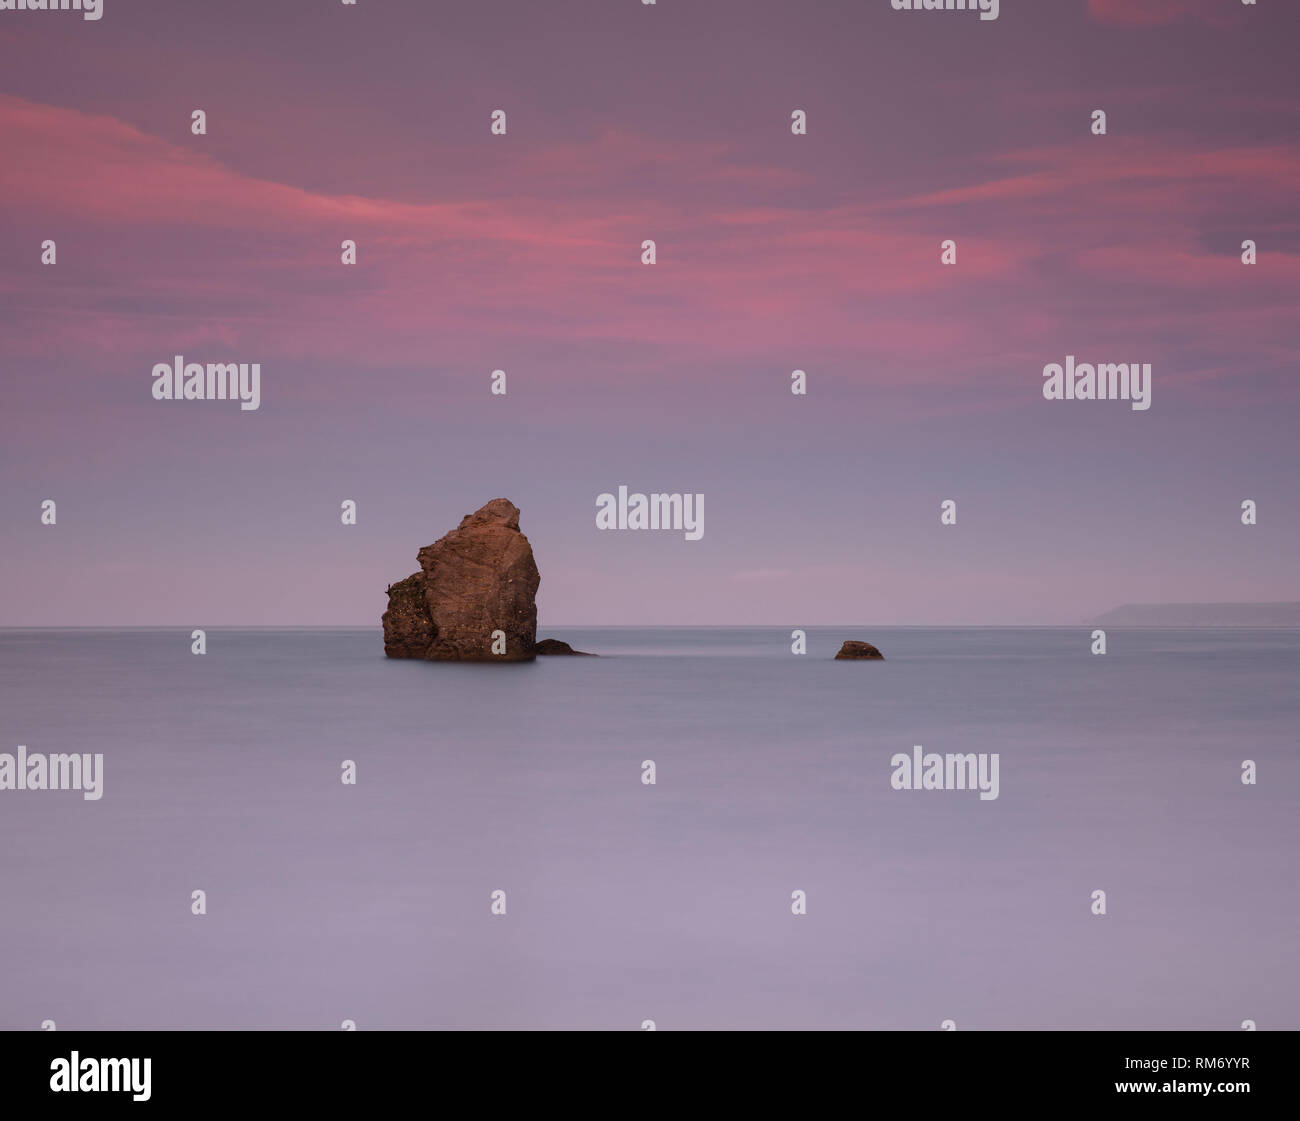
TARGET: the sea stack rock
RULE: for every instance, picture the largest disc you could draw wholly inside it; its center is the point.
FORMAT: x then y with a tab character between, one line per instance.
479	578
859	651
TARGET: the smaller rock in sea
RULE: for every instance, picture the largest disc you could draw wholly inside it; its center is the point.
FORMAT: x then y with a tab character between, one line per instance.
555	646
859	651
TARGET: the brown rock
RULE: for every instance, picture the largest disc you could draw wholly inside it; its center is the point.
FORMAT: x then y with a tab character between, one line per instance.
555	646
859	651
479	578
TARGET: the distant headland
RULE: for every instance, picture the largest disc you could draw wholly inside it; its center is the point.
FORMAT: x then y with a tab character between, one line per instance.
1202	615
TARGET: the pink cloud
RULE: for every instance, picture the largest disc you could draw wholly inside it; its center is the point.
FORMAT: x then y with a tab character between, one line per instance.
539	264
1142	170
172	249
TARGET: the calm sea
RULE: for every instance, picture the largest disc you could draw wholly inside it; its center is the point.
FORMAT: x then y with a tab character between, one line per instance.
628	902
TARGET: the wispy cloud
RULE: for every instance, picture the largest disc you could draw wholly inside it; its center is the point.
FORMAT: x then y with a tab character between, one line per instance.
170	247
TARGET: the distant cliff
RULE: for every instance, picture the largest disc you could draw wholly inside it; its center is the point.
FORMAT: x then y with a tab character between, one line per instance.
1202	615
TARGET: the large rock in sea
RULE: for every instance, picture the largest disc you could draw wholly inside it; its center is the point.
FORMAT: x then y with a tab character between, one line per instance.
479	578
859	651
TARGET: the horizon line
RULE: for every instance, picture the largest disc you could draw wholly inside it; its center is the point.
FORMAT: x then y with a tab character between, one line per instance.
668	626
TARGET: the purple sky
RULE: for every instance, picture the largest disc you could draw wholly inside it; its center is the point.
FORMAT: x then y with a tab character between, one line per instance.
776	252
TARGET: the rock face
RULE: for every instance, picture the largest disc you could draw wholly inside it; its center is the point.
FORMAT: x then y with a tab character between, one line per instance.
555	646
859	651
479	578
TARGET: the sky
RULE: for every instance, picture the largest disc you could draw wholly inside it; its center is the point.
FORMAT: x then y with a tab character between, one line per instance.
775	252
